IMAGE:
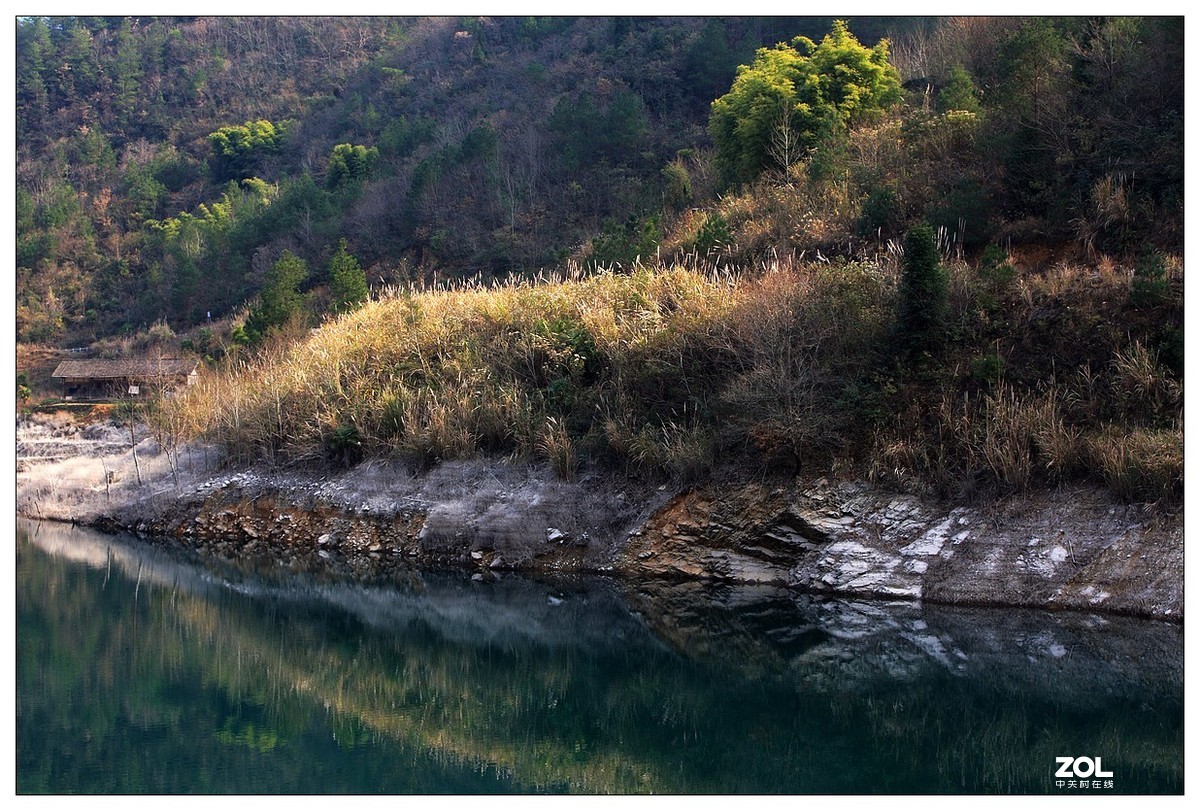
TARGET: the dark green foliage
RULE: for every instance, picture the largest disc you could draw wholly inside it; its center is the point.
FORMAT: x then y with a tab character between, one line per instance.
965	211
1032	94
280	299
567	360
35	52
996	275
714	236
176	171
709	64
880	212
127	73
587	128
24	392
480	144
995	270
1170	349
959	92
347	281
204	343
1150	287
401	136
987	369
344	444
677	186
623	244
924	290
349	165
1035	62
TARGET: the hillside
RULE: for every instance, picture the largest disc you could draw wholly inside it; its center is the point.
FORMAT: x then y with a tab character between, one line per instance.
128	213
165	165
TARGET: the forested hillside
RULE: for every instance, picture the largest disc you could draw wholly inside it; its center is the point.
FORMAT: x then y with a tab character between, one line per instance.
169	168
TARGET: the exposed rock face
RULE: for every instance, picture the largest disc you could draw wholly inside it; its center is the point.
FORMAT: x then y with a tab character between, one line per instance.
1071	548
1074	547
378	519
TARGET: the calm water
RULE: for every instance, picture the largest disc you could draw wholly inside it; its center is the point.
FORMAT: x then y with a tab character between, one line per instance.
144	671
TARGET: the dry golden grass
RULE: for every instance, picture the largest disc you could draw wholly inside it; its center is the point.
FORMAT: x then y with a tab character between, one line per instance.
668	371
1140	464
442	374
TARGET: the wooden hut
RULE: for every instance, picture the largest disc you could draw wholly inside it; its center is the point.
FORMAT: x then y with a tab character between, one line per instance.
125	377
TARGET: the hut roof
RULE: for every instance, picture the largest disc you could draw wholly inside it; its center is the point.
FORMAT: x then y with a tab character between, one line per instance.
132	368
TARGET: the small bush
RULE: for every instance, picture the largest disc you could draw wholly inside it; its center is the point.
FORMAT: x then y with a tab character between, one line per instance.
924	290
1150	286
965	210
344	444
682	452
714	236
880	212
1141	387
996	273
987	369
24	391
622	245
677	186
566	350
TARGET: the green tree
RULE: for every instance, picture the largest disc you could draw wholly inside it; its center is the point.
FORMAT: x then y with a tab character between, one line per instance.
127	70
794	96
24	391
349	164
280	298
238	150
79	56
1035	106
924	290
347	281
143	192
959	92
708	63
34	50
586	130
677	185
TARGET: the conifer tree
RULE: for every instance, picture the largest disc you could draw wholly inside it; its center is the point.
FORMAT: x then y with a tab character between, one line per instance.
347	281
280	298
924	290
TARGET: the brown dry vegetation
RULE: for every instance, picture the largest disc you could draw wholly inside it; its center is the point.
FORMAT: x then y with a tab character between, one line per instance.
670	371
37	363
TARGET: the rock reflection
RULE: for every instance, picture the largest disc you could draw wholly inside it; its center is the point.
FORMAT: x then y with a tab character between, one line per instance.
241	679
1082	659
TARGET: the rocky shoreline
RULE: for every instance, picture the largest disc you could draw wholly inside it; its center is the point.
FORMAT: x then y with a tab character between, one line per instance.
1075	547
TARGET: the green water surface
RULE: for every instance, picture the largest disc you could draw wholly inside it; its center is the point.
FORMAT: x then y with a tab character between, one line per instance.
141	670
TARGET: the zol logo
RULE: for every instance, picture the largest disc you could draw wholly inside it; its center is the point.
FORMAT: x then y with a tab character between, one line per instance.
1080	767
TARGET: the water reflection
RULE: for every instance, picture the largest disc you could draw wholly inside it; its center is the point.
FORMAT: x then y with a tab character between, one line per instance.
144	670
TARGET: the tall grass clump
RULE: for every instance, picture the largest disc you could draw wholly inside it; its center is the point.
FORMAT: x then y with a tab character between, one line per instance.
1141	464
